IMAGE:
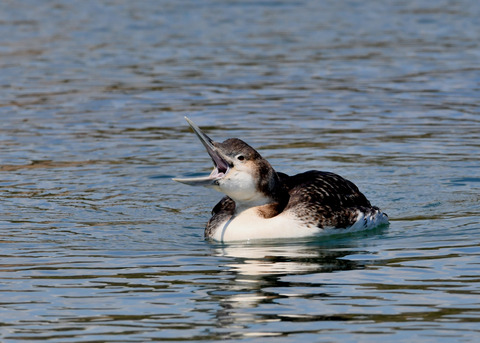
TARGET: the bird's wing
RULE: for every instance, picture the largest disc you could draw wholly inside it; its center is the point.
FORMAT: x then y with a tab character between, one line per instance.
221	212
325	199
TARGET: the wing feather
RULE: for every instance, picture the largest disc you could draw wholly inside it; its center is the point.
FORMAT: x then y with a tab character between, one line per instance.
325	199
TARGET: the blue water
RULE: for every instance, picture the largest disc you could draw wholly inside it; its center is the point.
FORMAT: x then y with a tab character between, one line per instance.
99	245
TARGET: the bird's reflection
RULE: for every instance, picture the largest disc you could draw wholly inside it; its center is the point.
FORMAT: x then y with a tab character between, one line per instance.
261	260
260	274
254	261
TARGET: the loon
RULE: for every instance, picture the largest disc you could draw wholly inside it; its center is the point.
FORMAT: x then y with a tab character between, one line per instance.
261	203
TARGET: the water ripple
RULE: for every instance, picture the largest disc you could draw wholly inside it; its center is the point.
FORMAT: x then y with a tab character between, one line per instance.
98	244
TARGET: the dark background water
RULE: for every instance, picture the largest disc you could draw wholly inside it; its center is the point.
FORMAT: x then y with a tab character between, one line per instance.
99	245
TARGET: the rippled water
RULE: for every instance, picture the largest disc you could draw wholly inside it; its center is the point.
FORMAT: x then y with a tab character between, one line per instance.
99	245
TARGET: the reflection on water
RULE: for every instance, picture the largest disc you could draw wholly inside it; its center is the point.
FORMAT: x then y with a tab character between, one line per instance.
278	259
98	244
257	271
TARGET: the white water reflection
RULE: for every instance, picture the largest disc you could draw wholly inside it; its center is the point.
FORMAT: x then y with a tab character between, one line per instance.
279	259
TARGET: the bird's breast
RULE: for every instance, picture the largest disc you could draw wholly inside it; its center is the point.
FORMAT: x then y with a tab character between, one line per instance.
250	224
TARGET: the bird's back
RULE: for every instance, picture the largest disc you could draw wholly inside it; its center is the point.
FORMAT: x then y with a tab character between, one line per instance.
326	199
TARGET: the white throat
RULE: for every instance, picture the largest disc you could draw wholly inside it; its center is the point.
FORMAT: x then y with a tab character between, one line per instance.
242	188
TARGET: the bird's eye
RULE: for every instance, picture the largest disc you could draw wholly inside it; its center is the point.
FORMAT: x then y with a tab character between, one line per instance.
240	157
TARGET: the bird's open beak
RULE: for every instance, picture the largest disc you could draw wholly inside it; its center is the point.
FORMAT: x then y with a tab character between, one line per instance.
221	165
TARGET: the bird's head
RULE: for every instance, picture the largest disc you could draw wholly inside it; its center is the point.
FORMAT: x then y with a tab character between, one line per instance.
239	171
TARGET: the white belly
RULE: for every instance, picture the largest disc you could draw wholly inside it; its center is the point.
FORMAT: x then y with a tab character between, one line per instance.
249	225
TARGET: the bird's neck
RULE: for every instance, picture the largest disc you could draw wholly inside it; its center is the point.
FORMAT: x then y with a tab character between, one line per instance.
270	199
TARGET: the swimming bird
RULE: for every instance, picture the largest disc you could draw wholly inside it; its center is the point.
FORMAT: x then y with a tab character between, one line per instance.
261	203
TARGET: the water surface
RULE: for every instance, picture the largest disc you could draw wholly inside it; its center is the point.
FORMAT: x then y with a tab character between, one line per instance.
99	245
